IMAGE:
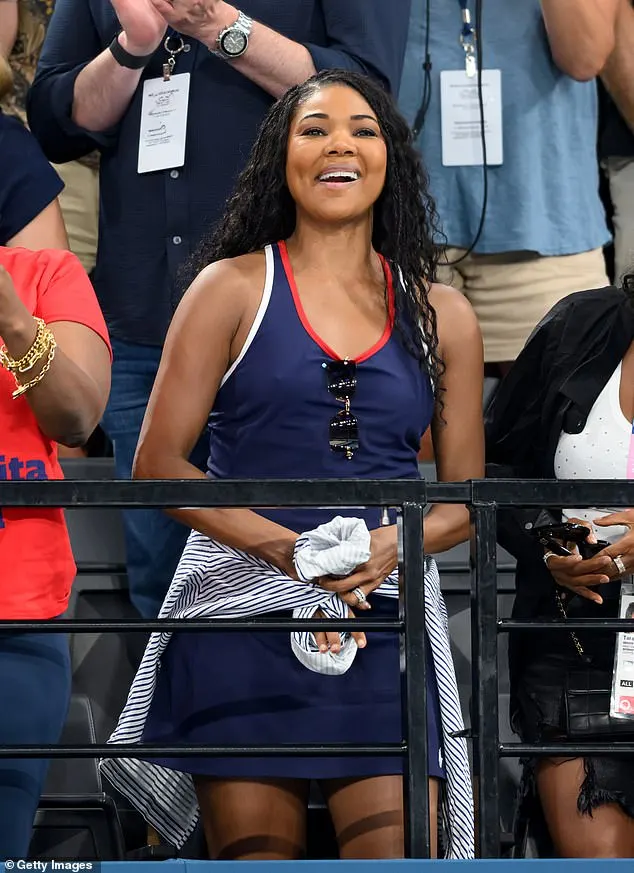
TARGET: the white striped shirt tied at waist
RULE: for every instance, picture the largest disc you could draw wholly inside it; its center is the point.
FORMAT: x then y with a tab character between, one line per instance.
215	581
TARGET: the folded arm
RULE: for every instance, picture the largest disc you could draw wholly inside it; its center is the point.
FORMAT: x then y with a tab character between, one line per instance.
581	34
618	73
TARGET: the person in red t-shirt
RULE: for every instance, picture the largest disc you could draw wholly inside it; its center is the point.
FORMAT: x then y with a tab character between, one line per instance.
54	383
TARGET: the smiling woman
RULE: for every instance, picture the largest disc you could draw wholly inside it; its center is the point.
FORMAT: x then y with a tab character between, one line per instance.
316	338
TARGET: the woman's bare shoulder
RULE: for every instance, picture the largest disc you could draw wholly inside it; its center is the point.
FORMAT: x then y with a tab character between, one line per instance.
231	285
456	320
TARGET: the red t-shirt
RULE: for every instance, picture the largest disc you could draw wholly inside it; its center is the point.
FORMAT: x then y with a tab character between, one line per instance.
36	562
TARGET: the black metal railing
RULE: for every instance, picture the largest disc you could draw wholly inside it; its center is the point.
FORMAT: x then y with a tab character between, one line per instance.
483	497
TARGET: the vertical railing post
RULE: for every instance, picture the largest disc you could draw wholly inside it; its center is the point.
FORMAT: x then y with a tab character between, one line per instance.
414	683
484	698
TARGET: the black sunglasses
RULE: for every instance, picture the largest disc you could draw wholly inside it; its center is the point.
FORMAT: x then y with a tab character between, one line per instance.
343	430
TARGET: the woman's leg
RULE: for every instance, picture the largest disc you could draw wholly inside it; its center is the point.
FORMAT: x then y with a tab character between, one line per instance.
368	816
34	695
253	820
608	833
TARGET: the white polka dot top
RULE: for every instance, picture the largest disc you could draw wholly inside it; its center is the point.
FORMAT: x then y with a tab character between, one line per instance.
599	452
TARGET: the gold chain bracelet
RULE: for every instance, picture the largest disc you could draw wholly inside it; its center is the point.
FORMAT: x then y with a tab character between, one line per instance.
22	389
39	347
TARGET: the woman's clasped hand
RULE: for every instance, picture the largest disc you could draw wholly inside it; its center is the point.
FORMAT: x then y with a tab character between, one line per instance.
581	576
356	588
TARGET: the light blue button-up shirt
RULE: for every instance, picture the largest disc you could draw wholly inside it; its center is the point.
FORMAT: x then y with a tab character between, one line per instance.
545	196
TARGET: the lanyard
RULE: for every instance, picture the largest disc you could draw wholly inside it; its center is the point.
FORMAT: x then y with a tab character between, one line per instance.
174	44
468	38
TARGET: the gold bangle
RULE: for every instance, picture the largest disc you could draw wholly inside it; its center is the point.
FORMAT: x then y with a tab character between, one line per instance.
22	389
37	350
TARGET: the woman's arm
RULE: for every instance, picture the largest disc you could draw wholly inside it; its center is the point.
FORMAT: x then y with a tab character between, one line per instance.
458	435
206	334
46	231
69	400
457	429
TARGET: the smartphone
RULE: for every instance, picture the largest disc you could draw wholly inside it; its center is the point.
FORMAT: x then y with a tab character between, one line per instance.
589	550
549	534
567	532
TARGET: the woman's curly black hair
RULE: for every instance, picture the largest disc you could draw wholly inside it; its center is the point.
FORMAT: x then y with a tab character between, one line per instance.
261	210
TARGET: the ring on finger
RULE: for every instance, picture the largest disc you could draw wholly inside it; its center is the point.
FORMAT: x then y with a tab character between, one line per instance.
620	566
358	593
547	556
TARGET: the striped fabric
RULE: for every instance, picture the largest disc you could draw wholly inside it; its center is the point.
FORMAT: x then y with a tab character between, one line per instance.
216	581
333	549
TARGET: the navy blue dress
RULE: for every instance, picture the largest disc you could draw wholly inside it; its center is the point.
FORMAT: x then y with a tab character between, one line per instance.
271	420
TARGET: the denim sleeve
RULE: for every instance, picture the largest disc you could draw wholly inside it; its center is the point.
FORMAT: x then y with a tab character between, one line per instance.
367	36
71	43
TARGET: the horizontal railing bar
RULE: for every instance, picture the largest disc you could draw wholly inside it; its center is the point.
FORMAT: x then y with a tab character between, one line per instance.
325	493
519	750
96	569
506	625
124	750
73	493
554	492
80	626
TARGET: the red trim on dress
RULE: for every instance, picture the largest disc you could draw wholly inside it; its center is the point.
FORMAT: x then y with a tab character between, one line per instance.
389	324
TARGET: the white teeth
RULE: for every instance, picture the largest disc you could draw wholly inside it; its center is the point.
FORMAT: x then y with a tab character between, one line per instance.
346	175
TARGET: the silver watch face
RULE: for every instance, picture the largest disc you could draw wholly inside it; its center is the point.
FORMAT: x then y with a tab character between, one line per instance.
234	43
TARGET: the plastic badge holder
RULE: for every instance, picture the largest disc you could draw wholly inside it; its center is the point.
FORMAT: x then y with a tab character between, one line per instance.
622	697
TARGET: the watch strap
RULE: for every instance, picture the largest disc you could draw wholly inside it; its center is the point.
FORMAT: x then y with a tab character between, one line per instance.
125	59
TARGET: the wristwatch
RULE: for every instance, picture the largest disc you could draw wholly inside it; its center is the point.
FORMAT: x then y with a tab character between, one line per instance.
125	59
233	41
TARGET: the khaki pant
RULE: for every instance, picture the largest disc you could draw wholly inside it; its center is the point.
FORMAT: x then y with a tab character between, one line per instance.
80	205
512	292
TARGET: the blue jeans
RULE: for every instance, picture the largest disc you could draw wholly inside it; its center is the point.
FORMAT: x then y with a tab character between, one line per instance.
34	695
154	542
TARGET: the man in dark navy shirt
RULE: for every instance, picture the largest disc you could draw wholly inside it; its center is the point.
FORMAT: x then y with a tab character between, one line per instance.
156	201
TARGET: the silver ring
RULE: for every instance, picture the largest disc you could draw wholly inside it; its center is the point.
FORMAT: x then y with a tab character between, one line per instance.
358	593
620	566
547	556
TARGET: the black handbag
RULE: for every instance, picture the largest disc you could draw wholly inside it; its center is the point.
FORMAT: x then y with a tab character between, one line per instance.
587	693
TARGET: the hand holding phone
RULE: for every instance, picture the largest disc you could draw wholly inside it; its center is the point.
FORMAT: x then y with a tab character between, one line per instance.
564	564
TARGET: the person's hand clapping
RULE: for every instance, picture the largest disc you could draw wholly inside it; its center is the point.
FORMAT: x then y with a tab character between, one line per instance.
358	585
142	24
200	19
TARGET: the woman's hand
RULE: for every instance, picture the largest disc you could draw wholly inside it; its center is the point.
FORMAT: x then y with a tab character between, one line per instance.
329	641
577	575
621	553
367	577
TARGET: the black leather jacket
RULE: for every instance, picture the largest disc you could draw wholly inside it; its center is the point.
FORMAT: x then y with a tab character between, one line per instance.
551	388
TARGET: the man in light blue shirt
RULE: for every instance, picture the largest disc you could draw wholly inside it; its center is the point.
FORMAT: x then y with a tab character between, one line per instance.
544	225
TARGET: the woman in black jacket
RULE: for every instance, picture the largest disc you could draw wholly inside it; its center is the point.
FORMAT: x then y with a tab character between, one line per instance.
565	411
